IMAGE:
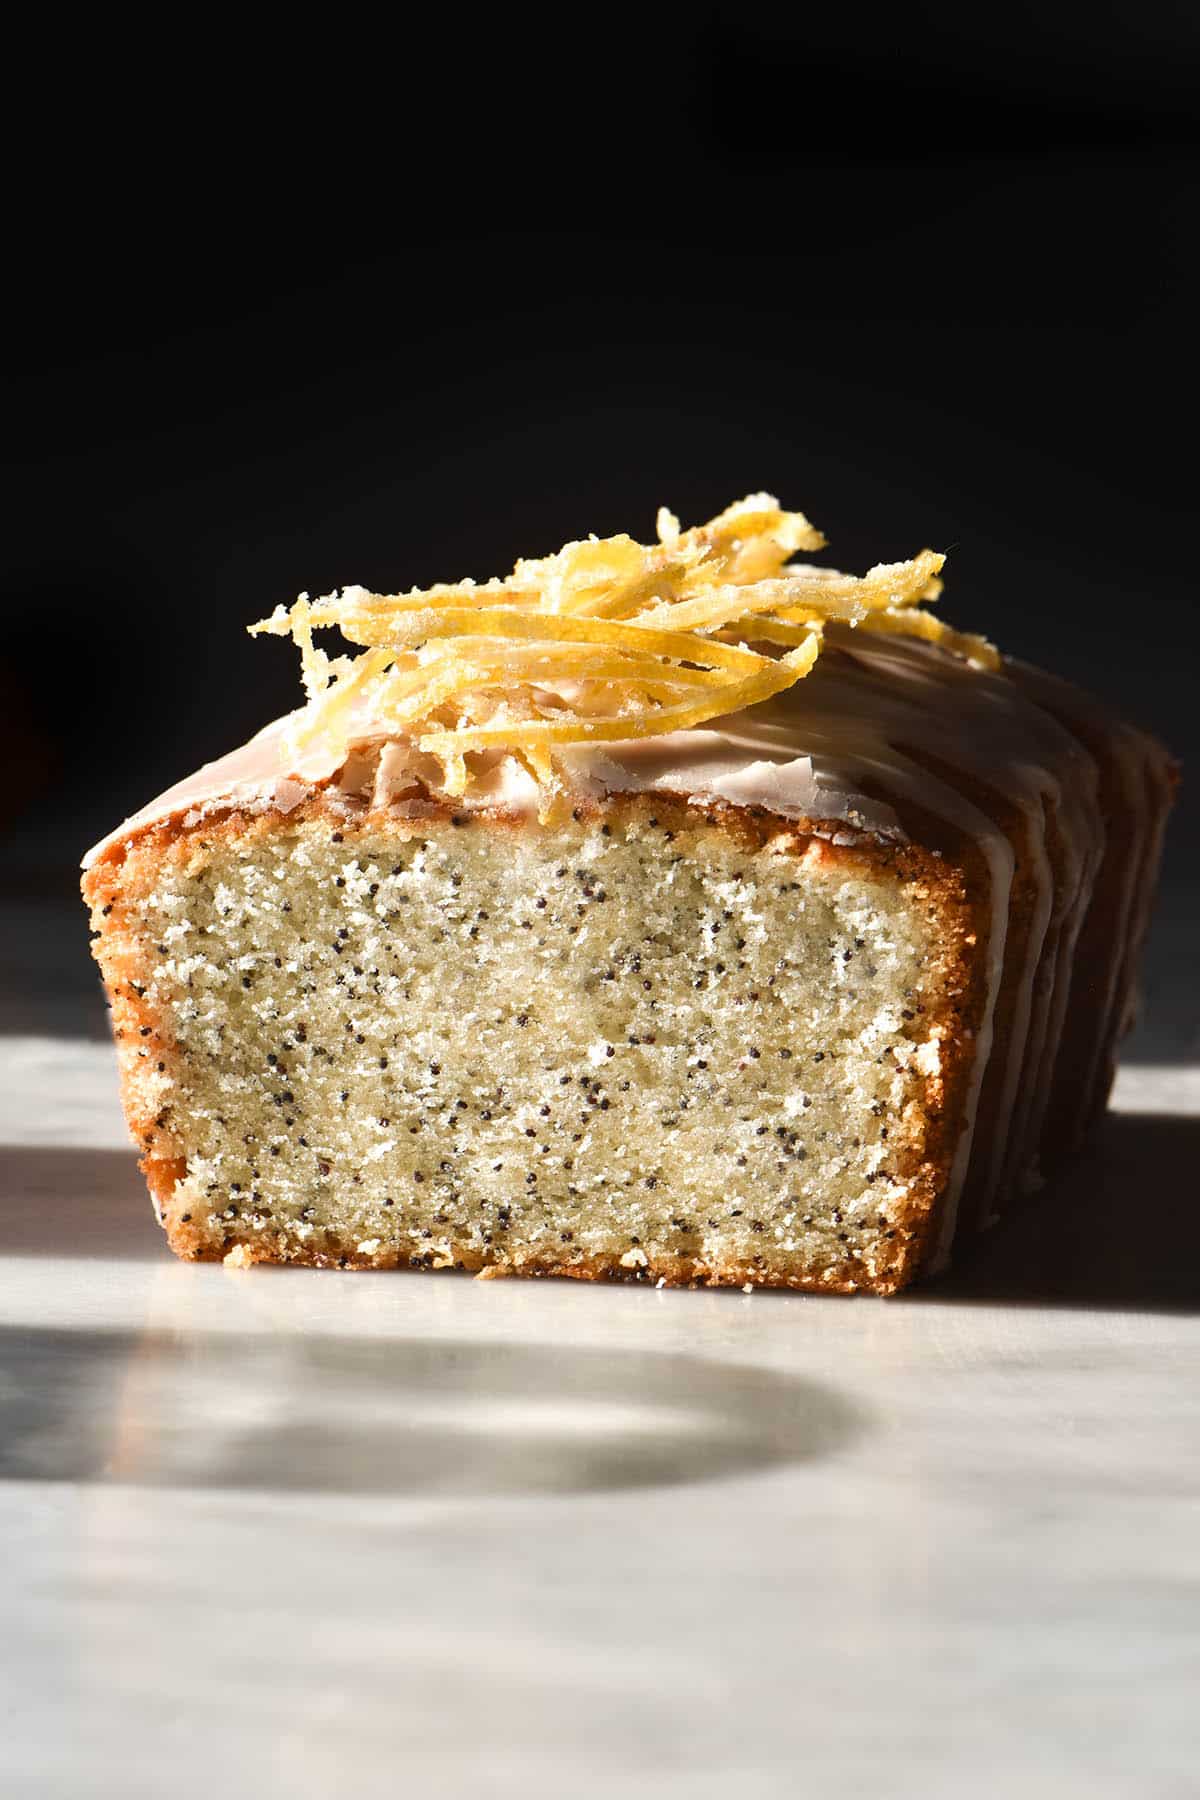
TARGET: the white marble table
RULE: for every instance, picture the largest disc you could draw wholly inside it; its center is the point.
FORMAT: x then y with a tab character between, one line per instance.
283	1533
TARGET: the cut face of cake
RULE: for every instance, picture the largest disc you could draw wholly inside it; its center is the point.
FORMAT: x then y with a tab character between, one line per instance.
788	995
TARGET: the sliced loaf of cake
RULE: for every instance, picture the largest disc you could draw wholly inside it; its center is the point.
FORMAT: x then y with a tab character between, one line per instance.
790	994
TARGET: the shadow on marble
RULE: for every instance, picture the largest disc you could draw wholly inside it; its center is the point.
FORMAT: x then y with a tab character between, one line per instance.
423	1417
60	1201
1118	1229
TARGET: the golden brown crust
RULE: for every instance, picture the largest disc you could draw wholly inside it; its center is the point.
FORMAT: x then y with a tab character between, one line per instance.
851	1276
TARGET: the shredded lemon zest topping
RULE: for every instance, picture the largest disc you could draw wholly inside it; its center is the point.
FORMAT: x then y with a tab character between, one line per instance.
604	641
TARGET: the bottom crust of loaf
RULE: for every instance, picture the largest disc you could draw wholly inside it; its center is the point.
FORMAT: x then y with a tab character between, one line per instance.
651	1267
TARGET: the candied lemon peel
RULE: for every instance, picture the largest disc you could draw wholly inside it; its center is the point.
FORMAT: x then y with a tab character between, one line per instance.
606	640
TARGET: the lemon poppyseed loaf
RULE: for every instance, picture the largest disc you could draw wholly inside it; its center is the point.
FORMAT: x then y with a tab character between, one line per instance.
789	994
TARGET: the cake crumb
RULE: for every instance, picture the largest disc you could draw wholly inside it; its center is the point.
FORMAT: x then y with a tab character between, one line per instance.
411	1119
240	1257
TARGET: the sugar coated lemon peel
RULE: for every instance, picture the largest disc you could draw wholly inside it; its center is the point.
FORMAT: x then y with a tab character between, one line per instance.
604	641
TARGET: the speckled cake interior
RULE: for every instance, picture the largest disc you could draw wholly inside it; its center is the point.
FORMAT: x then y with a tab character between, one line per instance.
629	1043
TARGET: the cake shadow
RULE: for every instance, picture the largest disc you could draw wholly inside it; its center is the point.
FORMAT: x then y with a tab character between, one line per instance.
63	1201
447	1419
1118	1228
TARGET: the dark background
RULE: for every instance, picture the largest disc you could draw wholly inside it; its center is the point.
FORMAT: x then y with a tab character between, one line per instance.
287	317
